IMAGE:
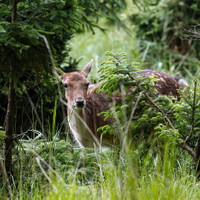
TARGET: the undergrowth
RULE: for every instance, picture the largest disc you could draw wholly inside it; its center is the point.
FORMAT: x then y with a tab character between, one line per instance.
57	170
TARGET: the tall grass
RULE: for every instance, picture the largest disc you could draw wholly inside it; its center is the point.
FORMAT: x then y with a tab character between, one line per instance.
122	178
125	180
76	173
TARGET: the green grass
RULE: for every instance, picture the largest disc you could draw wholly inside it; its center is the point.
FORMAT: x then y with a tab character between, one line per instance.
128	181
77	173
88	46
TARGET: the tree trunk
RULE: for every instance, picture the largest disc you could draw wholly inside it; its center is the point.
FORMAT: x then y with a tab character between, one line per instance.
10	114
197	157
9	128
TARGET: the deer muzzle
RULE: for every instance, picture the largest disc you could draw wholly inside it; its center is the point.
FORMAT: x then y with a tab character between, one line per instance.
80	103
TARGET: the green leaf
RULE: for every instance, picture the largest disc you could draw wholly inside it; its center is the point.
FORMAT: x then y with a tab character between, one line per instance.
2	133
2	30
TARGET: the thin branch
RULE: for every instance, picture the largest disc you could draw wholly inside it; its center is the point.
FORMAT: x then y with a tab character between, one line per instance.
132	112
9	188
85	124
36	114
123	96
45	174
188	149
14	11
54	69
197	156
193	113
183	144
157	106
191	33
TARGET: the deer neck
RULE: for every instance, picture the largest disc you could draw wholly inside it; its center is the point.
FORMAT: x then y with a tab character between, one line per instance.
80	128
76	119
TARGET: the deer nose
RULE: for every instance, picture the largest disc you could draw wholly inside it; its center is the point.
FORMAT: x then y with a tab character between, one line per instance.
80	103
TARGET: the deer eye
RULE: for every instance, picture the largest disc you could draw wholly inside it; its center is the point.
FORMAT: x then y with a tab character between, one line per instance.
65	85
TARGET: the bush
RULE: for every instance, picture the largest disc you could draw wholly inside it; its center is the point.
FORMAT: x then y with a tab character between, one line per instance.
160	26
139	114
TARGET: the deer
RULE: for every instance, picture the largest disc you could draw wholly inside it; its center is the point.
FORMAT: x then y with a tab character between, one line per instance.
84	104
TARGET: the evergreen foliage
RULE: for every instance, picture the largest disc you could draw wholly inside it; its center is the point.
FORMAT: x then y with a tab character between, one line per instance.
122	79
22	41
140	114
93	11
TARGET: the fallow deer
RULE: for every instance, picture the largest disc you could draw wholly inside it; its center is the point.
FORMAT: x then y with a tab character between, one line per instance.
85	104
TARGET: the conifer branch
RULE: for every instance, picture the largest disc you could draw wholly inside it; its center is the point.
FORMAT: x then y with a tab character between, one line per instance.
184	145
157	106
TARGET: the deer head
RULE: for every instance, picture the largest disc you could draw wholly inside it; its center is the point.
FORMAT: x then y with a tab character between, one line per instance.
76	86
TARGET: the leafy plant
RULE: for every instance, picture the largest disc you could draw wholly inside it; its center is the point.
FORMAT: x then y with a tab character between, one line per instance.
135	96
138	113
186	123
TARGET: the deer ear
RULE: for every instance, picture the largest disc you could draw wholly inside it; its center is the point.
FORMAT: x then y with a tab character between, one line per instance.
86	70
